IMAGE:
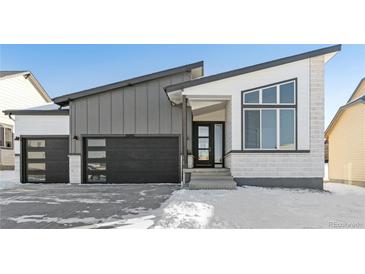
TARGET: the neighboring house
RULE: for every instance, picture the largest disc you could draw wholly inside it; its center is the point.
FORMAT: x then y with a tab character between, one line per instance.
18	90
262	123
346	139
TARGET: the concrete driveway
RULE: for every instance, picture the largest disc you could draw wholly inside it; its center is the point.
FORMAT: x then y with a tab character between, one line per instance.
66	206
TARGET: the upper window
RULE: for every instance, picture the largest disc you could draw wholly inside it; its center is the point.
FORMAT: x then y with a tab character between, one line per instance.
270	127
283	93
6	137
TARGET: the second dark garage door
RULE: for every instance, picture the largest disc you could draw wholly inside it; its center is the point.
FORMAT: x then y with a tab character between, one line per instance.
132	160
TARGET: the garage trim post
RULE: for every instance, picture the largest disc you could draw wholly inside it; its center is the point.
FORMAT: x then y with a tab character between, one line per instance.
184	132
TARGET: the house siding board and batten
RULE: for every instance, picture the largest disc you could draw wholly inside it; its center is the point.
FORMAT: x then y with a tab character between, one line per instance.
140	109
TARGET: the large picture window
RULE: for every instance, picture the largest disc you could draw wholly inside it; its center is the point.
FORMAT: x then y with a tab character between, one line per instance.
269	117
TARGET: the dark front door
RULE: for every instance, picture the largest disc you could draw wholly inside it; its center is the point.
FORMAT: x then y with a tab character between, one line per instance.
208	144
119	160
45	160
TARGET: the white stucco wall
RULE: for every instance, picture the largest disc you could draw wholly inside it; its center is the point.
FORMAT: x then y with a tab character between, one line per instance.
310	77
40	125
291	165
234	85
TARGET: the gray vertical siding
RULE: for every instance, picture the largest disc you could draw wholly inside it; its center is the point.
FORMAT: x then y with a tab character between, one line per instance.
138	109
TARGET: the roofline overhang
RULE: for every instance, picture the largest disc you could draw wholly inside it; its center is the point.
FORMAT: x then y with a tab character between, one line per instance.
28	74
360	100
261	66
65	99
36	112
356	89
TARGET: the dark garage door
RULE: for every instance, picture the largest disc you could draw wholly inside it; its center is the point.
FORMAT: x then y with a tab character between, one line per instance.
132	160
45	160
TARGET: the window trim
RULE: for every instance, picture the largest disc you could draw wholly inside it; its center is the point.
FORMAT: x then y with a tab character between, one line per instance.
277	85
277	114
260	106
12	137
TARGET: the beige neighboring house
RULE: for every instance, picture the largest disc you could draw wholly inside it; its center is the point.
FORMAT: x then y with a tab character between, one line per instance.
18	90
346	140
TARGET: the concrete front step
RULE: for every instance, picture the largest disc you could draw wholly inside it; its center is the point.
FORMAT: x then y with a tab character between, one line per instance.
207	170
212	184
211	176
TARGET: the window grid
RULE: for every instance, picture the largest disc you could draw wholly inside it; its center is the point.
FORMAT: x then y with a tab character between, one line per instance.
277	114
270	106
260	90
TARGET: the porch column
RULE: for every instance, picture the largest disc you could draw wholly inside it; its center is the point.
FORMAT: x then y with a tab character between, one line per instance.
184	132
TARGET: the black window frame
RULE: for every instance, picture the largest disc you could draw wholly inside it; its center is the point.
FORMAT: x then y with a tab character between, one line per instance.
277	105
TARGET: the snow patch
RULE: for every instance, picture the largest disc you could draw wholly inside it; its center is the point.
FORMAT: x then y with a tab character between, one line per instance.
132	223
186	215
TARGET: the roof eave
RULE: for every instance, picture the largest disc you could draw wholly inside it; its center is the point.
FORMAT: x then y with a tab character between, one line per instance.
269	64
361	100
65	99
36	112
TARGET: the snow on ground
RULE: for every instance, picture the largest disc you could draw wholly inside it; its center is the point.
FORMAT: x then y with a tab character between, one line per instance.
9	179
339	206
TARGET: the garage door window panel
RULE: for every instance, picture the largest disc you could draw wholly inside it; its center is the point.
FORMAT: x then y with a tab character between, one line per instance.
36	178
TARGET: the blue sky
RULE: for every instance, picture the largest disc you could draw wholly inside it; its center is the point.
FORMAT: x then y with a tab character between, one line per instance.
63	69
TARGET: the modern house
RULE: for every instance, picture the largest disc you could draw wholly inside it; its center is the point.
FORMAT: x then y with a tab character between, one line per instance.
262	124
346	140
18	90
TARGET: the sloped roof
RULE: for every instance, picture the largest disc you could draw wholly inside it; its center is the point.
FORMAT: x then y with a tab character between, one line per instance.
64	99
232	73
356	89
28	75
360	100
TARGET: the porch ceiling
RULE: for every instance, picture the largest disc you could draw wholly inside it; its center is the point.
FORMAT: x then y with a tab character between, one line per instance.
201	107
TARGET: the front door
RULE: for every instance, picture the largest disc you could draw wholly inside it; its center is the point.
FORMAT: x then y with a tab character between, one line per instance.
208	144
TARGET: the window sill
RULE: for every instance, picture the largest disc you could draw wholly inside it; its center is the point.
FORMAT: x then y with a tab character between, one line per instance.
267	151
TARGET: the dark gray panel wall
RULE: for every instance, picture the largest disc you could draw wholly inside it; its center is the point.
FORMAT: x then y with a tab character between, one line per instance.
139	109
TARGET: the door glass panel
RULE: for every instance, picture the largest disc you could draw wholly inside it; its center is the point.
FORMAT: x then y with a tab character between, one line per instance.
203	131
203	155
96	142
96	166
36	143
287	129
252	128
218	140
36	178
269	129
203	142
96	154
36	155
96	178
36	166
